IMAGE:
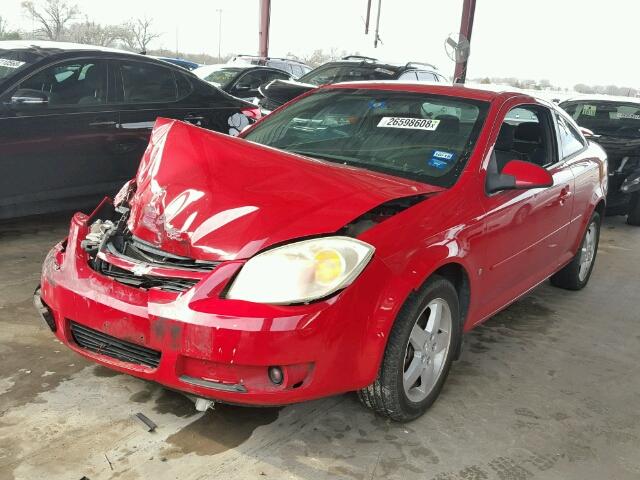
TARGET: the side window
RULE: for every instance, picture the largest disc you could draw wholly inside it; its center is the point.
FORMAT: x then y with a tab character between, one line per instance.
276	76
251	80
147	83
79	82
525	135
184	85
410	76
297	71
427	77
570	140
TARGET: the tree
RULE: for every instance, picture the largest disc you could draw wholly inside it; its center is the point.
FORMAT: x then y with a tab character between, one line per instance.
52	16
138	34
92	33
5	33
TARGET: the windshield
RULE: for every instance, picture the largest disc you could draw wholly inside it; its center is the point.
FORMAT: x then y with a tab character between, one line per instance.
12	61
223	76
422	137
617	119
346	73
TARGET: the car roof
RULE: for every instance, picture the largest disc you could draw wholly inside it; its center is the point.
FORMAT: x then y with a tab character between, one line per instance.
235	66
374	63
457	90
54	48
602	98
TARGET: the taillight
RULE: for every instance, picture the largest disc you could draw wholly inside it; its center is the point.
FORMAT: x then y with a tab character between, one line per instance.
253	113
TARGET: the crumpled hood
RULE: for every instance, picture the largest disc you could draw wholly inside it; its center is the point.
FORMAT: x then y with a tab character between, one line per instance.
208	196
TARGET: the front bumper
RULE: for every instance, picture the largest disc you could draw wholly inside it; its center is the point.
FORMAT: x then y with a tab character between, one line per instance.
208	346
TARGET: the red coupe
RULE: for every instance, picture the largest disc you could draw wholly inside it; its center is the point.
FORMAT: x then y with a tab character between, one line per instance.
345	243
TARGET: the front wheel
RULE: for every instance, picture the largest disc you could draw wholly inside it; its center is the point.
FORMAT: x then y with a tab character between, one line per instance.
634	210
418	356
576	274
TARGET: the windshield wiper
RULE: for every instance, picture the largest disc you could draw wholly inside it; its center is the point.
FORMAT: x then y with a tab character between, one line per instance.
326	156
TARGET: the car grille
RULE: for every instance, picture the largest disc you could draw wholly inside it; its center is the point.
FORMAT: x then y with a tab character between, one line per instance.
146	281
104	344
137	250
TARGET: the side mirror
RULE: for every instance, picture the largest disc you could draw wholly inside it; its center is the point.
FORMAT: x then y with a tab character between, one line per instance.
588	133
27	96
519	175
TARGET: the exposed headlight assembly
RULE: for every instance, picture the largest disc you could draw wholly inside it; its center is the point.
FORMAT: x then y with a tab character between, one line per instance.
301	272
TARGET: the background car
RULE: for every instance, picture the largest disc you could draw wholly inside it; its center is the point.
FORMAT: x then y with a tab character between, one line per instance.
181	62
293	67
75	120
343	243
241	81
614	122
351	68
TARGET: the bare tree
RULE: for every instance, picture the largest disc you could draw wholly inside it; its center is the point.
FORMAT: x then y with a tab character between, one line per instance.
93	33
138	34
52	16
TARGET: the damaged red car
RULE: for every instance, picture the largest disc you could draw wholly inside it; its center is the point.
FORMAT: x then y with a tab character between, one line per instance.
345	243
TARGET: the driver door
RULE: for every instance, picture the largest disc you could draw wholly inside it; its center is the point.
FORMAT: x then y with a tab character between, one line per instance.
526	230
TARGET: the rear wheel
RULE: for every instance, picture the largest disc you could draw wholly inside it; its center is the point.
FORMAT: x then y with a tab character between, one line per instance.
418	356
634	210
576	274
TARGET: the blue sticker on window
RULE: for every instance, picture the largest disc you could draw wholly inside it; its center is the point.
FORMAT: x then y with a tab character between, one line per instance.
441	159
439	164
443	155
376	105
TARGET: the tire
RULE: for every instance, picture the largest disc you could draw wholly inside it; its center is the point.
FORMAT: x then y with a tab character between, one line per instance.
575	275
634	210
387	396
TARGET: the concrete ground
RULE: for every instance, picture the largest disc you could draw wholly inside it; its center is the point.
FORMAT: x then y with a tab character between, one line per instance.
547	389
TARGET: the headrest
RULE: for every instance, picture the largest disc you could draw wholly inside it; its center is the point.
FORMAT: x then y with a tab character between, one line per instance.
449	123
504	142
528	131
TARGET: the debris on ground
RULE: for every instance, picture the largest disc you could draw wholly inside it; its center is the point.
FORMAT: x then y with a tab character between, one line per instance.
150	424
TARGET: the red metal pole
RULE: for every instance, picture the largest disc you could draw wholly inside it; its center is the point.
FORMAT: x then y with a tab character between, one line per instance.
265	20
466	27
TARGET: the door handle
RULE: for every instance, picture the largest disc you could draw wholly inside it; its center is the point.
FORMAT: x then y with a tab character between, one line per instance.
565	194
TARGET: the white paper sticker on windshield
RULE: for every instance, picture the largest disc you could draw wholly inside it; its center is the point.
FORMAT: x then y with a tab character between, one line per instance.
411	123
589	110
632	116
5	62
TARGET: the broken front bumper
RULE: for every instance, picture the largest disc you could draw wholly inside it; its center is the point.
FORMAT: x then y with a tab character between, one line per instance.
198	343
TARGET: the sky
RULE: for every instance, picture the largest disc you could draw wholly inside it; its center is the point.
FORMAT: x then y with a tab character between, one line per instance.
564	41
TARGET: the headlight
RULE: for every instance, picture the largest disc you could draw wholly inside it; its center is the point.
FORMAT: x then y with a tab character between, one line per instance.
302	271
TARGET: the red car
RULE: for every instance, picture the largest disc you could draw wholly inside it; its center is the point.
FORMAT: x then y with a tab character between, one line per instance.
345	243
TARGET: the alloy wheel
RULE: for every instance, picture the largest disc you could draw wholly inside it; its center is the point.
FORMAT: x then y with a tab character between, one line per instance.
427	350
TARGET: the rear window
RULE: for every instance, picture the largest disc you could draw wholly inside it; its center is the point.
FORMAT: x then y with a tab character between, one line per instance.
12	61
346	73
423	137
223	77
606	118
